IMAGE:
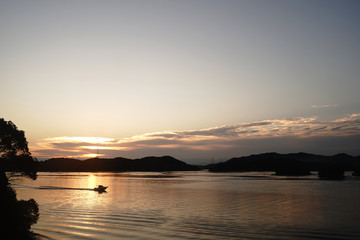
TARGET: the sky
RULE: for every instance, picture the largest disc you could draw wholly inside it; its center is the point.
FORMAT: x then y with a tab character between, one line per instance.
198	80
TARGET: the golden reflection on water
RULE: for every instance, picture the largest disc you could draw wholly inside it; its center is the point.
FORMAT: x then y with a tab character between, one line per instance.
145	206
92	181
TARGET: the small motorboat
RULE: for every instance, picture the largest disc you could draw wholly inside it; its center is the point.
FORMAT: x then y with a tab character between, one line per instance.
100	188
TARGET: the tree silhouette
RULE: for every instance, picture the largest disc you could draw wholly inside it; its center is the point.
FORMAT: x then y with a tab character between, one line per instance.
14	152
15	157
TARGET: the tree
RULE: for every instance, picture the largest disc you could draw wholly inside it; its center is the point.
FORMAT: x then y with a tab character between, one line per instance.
14	152
16	216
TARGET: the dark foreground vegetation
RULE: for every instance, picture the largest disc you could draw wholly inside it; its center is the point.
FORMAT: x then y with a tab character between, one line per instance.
16	216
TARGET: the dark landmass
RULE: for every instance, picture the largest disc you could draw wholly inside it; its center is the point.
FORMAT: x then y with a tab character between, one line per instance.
148	164
332	172
356	172
292	164
292	168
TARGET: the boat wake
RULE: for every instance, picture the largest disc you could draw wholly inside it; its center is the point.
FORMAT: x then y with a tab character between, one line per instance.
51	188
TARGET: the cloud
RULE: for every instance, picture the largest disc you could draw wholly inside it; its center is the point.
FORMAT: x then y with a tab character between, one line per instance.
349	118
73	146
325	106
80	139
221	139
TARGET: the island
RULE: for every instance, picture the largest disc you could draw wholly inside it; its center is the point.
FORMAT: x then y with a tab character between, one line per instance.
292	164
148	164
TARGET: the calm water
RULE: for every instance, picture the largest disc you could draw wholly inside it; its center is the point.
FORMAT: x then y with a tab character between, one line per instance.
193	205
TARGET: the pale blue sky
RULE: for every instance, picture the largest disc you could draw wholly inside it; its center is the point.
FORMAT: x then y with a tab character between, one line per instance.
119	69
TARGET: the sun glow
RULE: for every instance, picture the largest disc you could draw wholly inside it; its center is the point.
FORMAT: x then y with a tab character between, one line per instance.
221	137
92	155
92	181
93	140
103	148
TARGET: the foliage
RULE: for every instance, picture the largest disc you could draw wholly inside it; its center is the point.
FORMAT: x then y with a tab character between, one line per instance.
16	216
12	140
30	212
14	152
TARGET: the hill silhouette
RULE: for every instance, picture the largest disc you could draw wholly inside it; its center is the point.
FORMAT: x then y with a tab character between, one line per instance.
160	164
291	164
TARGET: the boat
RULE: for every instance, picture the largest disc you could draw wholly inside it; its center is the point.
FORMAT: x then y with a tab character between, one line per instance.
100	188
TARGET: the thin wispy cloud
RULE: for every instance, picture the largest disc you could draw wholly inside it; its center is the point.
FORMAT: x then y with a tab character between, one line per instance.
227	137
325	106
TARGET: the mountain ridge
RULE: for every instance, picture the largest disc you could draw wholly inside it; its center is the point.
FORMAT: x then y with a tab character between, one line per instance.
277	162
164	163
291	163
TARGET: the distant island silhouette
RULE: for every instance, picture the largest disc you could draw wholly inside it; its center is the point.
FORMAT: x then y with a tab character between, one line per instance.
148	164
291	164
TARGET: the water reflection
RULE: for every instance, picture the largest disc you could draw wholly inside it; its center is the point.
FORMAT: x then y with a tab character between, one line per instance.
192	206
92	181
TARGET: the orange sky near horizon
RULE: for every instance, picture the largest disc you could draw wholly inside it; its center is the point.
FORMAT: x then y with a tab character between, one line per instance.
212	141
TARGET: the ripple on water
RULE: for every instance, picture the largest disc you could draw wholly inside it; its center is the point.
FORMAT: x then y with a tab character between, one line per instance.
149	225
195	207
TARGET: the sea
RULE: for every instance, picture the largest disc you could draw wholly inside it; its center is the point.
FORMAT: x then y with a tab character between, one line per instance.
192	205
